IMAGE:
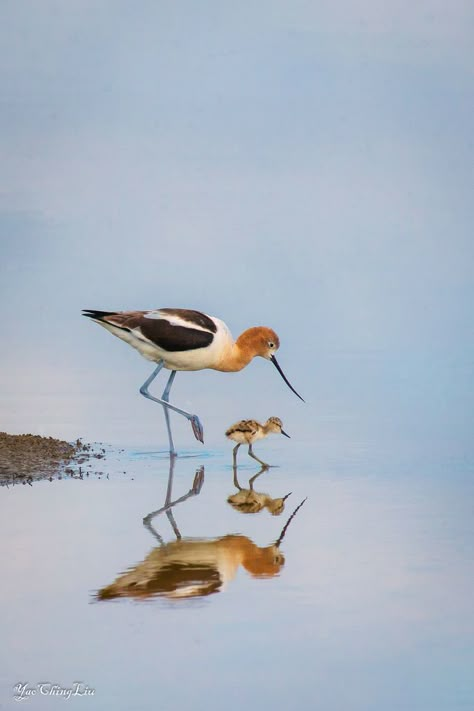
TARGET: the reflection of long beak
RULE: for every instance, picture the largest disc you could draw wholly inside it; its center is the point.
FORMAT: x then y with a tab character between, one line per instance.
286	433
282	534
275	363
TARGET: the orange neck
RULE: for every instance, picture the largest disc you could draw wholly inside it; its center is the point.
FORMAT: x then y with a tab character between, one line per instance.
257	561
241	352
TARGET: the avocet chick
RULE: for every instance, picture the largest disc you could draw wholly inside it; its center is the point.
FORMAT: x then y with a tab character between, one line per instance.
249	431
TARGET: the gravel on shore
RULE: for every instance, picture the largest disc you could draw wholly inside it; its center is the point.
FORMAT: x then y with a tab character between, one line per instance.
26	458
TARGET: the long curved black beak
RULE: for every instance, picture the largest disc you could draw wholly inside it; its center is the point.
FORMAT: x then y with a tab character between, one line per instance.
275	363
286	434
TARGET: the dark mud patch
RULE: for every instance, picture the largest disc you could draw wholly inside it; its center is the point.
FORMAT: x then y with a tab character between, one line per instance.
27	458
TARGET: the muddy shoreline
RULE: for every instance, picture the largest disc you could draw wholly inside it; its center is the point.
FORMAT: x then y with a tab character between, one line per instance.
27	458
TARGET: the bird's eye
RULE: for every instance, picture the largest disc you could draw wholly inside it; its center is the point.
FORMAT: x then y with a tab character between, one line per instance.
271	344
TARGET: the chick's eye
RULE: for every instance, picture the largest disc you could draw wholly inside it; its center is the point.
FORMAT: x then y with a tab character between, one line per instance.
271	344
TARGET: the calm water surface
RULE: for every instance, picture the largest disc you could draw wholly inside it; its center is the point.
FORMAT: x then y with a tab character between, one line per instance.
365	604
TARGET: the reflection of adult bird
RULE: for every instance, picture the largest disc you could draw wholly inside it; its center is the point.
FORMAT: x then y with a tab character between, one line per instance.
194	568
183	339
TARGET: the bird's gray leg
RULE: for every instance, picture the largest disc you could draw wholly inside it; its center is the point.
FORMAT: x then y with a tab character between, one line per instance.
148	381
255	476
165	397
194	419
234	454
254	456
168	505
236	481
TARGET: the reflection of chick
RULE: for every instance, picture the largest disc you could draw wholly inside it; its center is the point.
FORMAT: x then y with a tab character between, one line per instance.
194	568
250	501
249	431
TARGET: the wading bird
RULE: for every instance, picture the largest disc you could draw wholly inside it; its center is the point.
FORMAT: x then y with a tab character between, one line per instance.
183	339
249	431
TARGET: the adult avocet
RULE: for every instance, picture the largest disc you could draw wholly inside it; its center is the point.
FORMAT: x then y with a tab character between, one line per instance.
184	339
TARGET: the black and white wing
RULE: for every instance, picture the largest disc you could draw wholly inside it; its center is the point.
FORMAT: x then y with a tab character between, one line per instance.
171	330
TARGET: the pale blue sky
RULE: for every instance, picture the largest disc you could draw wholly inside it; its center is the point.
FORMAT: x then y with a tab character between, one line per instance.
304	165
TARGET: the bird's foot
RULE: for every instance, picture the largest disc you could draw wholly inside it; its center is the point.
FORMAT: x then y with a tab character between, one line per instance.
197	428
264	465
198	480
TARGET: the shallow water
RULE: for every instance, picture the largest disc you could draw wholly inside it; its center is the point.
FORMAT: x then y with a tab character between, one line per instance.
366	603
